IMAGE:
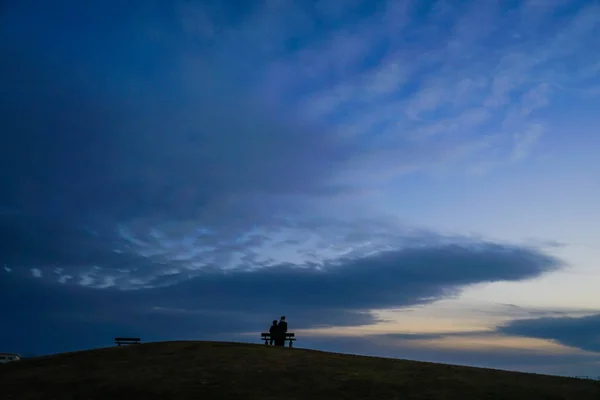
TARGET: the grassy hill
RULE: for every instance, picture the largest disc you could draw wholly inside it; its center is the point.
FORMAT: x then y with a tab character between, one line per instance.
213	370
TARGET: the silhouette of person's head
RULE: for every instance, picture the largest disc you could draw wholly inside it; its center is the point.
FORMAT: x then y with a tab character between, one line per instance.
283	318
275	322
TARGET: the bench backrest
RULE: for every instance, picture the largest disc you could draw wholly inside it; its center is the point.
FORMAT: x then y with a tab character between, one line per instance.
286	335
121	339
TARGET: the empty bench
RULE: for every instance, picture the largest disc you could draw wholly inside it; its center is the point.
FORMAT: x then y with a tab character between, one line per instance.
126	340
289	337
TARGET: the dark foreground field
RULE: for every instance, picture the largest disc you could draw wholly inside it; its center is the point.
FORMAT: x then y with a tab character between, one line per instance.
210	370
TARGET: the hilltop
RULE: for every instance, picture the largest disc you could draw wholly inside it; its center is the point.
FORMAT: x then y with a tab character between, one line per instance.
218	370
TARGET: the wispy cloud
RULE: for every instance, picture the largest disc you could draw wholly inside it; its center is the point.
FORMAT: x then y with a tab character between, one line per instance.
429	88
156	254
525	141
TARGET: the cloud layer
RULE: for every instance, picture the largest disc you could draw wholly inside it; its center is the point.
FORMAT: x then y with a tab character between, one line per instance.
579	332
339	293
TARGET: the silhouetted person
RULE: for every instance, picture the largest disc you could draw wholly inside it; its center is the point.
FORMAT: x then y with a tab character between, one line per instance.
281	331
273	330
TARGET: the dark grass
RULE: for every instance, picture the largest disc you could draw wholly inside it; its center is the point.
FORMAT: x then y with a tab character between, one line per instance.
216	370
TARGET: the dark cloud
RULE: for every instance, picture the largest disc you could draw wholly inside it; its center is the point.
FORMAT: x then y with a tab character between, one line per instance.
514	312
31	241
218	302
389	278
579	332
437	335
84	142
95	155
100	137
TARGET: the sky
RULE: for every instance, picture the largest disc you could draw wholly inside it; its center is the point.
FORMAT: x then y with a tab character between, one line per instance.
401	178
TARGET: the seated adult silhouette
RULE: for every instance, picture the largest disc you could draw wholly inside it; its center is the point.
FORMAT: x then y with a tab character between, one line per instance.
273	330
282	328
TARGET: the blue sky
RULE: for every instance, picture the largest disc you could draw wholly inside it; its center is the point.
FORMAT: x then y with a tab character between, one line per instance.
418	177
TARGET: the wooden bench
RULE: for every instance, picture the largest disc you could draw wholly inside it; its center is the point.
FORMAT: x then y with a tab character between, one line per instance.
268	340
126	340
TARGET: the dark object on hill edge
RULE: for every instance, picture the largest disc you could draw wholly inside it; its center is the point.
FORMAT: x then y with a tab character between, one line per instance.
121	340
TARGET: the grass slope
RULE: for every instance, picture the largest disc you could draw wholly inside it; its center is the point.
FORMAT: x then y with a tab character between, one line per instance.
214	370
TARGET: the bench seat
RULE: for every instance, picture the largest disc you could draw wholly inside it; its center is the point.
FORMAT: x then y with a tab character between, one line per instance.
123	340
289	337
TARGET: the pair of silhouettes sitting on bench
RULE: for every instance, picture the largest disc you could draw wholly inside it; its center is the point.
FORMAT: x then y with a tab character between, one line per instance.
278	331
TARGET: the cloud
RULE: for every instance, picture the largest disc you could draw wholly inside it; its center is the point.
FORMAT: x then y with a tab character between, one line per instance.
535	98
388	278
525	141
471	65
340	292
579	332
172	161
177	147
354	72
132	172
155	254
195	137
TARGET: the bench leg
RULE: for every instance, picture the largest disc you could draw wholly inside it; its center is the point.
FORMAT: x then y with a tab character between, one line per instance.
291	343
266	342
